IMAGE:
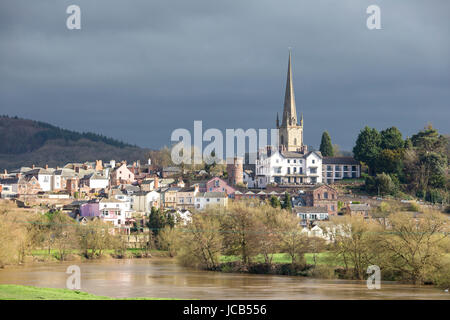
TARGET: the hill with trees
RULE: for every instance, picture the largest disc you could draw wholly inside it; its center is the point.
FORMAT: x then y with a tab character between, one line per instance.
25	142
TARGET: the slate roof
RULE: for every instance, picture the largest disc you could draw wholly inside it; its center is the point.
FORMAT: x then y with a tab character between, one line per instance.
310	209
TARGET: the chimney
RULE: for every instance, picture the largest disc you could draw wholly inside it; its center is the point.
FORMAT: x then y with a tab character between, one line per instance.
98	165
6	171
46	166
32	166
156	182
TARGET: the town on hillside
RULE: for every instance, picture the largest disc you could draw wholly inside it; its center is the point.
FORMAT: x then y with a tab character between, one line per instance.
307	182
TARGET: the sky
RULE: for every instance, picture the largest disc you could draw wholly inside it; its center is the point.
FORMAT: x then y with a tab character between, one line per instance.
139	69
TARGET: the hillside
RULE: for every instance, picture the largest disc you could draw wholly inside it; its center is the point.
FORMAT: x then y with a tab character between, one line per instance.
25	142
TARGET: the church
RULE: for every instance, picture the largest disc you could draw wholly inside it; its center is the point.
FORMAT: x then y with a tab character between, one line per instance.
290	163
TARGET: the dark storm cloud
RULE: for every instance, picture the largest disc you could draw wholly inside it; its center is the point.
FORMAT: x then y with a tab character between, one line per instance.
139	69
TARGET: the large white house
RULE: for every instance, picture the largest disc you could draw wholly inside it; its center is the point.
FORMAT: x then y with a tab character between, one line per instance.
286	167
206	199
115	211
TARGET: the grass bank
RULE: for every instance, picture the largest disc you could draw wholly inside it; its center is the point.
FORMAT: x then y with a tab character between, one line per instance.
17	292
322	258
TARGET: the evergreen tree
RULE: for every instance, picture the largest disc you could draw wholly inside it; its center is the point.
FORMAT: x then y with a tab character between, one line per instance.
326	148
391	138
367	147
287	203
275	202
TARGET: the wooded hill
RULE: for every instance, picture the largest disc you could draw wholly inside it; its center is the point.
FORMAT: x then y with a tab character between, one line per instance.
25	142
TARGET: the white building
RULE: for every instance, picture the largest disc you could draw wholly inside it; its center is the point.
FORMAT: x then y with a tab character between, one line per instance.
115	211
144	201
44	178
205	199
311	215
287	167
97	181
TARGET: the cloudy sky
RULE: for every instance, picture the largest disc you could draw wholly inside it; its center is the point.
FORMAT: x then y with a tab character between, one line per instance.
139	69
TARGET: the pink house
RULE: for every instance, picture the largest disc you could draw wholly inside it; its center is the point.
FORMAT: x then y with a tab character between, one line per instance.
122	175
218	185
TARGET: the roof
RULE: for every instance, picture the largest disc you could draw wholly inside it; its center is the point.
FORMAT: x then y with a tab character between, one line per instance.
9	181
187	189
340	160
311	210
110	200
292	154
65	172
214	195
319	185
38	171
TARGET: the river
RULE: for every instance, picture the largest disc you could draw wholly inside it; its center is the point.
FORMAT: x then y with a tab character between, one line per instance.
162	277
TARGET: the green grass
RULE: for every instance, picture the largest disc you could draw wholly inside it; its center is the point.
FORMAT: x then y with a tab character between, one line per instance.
322	258
17	292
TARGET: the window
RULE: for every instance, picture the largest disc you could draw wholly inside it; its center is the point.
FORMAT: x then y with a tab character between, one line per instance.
353	168
313	170
216	183
329	168
289	161
325	195
288	170
345	168
313	161
337	168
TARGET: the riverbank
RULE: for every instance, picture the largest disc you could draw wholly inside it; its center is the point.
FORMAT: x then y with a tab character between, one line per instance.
45	255
18	292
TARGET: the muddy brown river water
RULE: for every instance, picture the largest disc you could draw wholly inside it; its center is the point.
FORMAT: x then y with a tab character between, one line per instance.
164	278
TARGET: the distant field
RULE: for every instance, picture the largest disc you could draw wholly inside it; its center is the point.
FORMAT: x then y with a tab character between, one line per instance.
16	292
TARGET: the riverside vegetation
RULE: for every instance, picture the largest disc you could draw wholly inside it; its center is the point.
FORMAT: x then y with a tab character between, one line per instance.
249	237
258	238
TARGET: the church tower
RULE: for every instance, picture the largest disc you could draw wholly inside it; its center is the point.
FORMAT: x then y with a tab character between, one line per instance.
290	130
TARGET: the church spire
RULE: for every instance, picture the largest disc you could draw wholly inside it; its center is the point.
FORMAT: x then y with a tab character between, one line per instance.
278	121
290	111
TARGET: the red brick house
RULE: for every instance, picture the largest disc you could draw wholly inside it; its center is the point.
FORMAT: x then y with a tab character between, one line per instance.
322	196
